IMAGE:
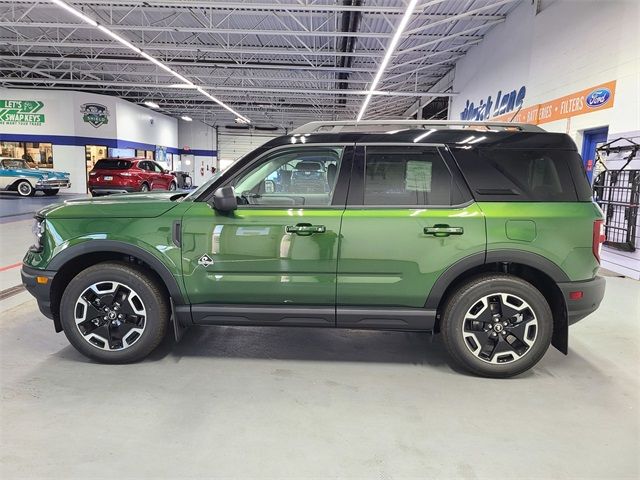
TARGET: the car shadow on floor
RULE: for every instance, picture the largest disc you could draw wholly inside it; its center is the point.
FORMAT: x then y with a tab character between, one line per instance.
312	344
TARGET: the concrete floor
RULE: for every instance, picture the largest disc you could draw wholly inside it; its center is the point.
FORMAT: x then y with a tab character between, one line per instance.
311	403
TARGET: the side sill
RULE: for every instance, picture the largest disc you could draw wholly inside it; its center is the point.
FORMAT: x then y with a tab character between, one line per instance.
263	315
386	318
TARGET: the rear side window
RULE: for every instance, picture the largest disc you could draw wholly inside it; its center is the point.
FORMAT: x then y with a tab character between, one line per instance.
505	175
406	176
112	164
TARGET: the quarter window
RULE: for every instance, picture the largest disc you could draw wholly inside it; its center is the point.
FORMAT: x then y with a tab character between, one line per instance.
406	176
295	177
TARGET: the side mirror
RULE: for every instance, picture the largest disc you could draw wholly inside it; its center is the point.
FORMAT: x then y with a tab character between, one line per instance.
224	199
166	172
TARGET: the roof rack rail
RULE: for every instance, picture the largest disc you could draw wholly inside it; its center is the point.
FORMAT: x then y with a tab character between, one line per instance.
341	126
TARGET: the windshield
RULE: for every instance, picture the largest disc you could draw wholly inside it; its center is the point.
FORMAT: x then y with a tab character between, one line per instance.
204	186
14	163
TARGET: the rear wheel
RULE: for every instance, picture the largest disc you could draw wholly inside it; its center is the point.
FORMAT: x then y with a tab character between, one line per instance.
497	325
51	192
114	313
25	189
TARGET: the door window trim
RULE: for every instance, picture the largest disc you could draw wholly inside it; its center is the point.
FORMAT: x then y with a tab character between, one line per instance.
340	192
355	199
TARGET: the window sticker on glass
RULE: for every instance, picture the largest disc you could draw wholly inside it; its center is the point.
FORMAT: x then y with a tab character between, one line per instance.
418	176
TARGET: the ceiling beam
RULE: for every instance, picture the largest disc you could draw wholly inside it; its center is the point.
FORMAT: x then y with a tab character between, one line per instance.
261	89
242	6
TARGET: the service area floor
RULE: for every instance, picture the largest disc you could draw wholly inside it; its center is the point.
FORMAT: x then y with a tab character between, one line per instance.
311	403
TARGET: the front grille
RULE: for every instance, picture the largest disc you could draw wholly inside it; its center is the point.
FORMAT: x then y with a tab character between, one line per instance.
54	183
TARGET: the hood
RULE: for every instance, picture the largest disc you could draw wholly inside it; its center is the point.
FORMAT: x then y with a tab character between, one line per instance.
130	205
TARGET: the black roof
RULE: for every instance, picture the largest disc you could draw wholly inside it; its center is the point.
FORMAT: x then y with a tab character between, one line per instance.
451	137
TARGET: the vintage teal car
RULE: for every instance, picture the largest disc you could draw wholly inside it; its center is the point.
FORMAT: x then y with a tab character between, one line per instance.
16	175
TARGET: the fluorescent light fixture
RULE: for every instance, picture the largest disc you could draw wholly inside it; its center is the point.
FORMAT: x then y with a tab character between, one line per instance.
186	82
423	135
75	12
479	139
468	139
182	85
387	56
186	118
151	104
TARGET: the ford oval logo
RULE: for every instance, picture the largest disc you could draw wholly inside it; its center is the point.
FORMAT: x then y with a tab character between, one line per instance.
598	97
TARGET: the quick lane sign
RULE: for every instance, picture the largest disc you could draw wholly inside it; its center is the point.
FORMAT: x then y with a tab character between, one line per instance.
21	112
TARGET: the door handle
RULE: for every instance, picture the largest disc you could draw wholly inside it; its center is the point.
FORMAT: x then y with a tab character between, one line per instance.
443	230
305	229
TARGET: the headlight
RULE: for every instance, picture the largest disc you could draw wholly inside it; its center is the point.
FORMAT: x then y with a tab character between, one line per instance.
38	233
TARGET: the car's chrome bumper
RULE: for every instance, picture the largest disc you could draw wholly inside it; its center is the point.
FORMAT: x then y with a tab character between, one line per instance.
54	183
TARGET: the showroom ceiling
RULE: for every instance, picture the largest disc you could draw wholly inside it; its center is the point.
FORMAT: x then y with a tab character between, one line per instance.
277	63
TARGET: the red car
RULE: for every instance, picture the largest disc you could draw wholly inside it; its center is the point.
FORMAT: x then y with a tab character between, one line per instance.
122	175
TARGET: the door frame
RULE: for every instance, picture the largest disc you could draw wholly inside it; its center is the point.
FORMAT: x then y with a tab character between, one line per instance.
590	138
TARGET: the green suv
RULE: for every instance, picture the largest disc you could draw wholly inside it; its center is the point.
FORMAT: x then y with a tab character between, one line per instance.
483	232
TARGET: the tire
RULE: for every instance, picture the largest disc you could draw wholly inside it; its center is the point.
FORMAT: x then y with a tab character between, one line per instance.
172	187
144	187
109	339
51	192
496	346
25	189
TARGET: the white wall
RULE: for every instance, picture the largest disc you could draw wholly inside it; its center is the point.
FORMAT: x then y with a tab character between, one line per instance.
196	135
141	124
568	47
71	159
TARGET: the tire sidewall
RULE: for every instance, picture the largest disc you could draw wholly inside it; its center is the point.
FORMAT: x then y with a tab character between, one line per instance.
145	187
31	191
473	291
155	322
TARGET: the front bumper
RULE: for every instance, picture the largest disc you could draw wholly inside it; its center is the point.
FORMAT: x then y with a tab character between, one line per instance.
52	184
111	190
41	291
592	294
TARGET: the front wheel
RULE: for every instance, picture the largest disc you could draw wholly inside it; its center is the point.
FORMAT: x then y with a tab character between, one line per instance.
25	189
172	186
144	187
497	325
114	312
51	192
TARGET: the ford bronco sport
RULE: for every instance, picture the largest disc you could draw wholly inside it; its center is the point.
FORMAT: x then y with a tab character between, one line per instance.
484	232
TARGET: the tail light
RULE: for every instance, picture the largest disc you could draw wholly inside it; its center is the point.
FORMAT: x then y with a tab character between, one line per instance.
598	238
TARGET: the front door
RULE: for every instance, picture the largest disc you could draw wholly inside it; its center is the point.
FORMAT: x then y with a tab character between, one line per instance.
407	220
274	259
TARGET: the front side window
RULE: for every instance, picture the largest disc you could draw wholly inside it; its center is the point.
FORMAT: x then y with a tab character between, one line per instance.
406	176
14	163
293	177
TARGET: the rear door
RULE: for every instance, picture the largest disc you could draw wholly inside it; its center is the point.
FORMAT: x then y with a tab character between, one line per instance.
409	217
274	259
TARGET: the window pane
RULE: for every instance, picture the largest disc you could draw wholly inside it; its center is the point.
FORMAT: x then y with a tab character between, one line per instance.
406	176
518	175
295	177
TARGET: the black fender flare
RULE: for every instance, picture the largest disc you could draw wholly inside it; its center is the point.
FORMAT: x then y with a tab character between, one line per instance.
523	257
93	246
